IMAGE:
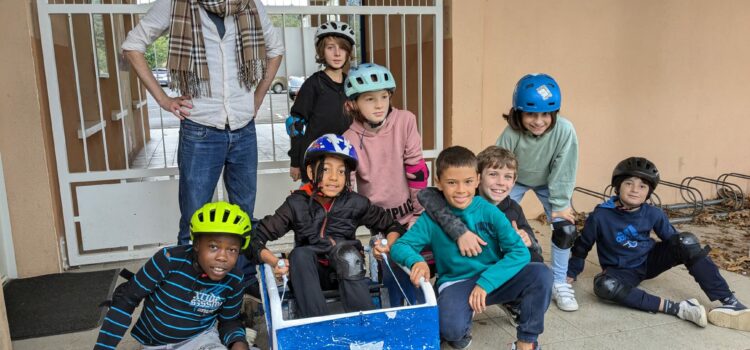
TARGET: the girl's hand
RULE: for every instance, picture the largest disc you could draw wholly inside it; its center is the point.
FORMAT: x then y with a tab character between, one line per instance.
239	346
418	271
566	214
477	299
294	173
279	271
380	249
524	236
469	244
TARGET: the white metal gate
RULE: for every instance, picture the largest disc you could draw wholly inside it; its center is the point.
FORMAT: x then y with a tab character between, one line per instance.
116	157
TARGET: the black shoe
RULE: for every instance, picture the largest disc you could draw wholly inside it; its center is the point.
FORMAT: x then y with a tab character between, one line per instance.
461	344
513	311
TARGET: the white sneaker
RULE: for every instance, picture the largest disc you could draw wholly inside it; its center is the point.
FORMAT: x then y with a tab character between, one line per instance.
691	310
564	296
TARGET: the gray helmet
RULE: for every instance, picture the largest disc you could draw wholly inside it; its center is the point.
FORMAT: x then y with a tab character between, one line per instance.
335	28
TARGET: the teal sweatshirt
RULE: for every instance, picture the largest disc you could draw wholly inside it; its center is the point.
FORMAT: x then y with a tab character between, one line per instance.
485	220
550	159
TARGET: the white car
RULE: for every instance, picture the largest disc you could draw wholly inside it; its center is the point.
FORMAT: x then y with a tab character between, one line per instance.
161	76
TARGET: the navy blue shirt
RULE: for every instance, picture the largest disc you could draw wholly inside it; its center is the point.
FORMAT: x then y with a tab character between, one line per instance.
179	302
623	238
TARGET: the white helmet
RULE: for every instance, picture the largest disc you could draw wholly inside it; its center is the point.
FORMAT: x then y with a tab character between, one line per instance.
335	28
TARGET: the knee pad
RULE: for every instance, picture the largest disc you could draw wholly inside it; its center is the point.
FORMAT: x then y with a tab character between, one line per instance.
350	264
687	247
564	234
421	173
610	288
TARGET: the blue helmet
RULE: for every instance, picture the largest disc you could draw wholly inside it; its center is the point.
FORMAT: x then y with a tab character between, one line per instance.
332	144
536	93
368	77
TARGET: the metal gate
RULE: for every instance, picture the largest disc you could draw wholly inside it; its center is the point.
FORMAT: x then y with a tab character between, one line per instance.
116	149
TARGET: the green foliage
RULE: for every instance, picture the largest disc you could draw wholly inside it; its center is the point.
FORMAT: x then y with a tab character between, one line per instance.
156	54
289	21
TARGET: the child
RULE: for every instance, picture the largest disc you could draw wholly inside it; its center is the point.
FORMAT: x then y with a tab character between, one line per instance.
546	147
192	292
324	215
627	254
388	145
318	107
501	273
497	167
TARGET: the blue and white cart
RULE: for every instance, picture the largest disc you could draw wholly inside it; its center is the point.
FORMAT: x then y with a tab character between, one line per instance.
406	327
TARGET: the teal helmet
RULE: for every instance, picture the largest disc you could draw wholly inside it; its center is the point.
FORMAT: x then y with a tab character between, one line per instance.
368	77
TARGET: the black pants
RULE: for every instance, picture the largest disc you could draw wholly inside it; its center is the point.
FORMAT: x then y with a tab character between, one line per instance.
308	279
660	259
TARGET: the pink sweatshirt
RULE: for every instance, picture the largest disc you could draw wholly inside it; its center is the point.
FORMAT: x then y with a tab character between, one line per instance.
380	175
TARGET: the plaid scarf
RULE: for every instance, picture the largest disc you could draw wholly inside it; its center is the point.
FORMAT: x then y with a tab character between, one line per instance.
187	65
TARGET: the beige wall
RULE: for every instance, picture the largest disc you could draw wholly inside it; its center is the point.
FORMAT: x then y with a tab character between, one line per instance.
25	143
667	80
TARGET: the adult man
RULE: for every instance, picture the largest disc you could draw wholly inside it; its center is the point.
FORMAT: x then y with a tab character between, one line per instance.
218	51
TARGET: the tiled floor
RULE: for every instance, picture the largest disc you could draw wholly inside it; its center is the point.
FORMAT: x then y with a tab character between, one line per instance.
596	325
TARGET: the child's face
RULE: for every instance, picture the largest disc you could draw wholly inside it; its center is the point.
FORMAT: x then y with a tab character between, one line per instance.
334	176
536	123
496	183
334	55
633	191
217	254
374	105
458	185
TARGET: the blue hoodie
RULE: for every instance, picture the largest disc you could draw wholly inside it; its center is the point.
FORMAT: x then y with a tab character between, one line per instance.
623	238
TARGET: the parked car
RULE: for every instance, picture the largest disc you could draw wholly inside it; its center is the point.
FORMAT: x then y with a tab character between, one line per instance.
278	85
161	76
294	84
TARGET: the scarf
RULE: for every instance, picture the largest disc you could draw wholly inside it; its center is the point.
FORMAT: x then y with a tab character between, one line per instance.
187	65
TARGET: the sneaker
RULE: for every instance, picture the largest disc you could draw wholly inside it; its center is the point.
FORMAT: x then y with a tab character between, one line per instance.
461	344
564	296
691	310
512	311
536	346
731	315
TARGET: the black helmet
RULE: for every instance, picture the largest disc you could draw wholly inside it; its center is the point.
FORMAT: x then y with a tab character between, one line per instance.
638	167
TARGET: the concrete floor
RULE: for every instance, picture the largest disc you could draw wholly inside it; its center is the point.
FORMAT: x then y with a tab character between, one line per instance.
596	325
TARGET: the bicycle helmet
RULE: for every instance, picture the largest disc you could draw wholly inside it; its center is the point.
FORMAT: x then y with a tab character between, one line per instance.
639	167
335	28
368	77
536	93
221	218
332	144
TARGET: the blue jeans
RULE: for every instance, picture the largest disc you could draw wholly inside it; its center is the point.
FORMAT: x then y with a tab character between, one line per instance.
559	256
202	154
531	288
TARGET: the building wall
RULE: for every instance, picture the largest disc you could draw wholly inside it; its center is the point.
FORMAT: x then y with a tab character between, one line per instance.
25	142
661	79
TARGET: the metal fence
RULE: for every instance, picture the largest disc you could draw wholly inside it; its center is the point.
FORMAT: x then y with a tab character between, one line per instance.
116	149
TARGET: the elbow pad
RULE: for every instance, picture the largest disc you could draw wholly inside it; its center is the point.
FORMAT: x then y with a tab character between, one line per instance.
295	126
421	173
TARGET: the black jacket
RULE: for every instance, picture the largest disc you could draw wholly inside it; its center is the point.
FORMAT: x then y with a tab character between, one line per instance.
314	226
320	102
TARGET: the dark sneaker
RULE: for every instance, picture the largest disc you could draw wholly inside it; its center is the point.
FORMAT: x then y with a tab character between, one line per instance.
512	311
536	346
732	315
461	344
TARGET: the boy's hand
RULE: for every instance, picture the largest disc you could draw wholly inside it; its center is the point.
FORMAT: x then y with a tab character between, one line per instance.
566	214
239	346
279	271
418	271
569	280
524	236
477	298
469	244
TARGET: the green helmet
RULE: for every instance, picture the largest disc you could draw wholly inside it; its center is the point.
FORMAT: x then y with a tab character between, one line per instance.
221	218
368	77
